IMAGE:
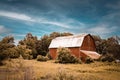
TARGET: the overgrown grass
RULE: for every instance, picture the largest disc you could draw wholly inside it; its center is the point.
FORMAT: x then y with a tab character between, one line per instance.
64	75
42	58
15	69
55	71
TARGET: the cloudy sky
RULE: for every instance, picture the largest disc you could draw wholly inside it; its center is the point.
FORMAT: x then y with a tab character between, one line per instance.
99	17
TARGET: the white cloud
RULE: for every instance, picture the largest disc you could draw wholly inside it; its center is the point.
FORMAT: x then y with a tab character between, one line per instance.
18	35
3	29
61	21
56	23
64	22
24	17
16	16
102	29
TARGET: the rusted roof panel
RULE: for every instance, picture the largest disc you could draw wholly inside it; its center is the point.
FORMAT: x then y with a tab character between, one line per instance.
91	54
68	41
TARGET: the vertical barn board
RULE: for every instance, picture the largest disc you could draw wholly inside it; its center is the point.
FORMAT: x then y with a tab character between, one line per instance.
53	52
75	51
83	56
88	44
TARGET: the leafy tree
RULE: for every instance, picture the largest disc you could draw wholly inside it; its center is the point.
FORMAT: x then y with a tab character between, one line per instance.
6	44
13	53
43	44
24	51
30	43
107	46
102	47
113	47
107	57
66	34
55	34
96	38
8	39
100	44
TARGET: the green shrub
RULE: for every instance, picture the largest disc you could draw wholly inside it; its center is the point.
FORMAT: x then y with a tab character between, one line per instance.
4	55
49	56
107	57
27	54
13	53
65	56
89	60
42	58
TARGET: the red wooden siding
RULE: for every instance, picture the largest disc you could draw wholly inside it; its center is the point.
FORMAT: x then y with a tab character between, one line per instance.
75	51
53	53
88	44
82	56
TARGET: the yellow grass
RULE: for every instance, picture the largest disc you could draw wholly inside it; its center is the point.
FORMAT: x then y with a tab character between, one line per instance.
93	71
104	71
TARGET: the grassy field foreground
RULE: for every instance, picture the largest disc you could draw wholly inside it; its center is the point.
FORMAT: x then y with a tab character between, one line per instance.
55	71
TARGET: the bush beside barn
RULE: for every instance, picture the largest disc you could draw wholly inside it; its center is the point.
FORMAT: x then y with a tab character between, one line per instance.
82	46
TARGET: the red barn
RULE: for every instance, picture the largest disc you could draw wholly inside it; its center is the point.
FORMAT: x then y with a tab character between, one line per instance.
80	45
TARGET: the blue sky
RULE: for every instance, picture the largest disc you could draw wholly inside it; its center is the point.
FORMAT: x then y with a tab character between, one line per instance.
98	17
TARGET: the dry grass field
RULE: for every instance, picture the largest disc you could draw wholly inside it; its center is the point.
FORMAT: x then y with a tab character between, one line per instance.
55	71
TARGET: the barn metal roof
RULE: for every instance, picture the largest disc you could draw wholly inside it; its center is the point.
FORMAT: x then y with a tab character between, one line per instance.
91	54
68	41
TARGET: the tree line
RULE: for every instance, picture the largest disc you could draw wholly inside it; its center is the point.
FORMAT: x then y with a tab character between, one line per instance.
30	47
